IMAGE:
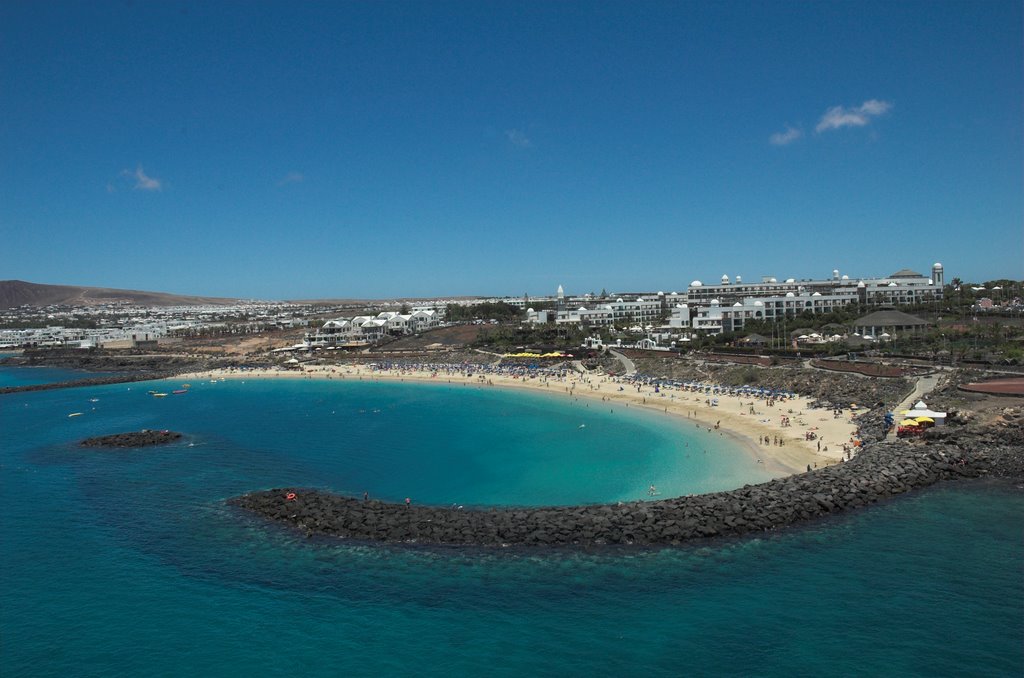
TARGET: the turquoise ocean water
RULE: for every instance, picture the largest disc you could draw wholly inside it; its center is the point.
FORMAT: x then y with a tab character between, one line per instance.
128	562
29	376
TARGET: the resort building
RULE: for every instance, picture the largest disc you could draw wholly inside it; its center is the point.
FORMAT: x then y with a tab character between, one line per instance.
902	287
729	305
888	324
601	315
365	329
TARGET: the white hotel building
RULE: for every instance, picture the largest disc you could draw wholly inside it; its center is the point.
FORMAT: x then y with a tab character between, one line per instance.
902	287
365	329
726	307
592	312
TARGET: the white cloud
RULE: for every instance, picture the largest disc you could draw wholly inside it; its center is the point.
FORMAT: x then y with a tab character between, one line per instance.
292	178
143	182
783	138
518	138
838	117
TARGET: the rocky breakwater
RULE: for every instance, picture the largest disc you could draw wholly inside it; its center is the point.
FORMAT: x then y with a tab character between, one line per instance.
143	438
881	471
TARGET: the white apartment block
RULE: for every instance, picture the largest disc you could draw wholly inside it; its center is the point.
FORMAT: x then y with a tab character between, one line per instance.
365	329
902	287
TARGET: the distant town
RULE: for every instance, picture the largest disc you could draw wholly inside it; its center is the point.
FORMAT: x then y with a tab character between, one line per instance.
908	310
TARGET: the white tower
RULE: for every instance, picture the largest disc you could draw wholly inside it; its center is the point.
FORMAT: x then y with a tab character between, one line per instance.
937	275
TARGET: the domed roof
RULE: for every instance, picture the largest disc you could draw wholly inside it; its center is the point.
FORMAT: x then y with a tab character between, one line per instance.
816	294
790	294
696	283
861	285
892	284
619	300
725	278
737	304
660	293
846	277
771	280
714	302
529	310
936	265
758	303
791	280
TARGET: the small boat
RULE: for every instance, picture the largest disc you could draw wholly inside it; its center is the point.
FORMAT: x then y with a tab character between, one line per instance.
94	400
75	414
159	395
179	391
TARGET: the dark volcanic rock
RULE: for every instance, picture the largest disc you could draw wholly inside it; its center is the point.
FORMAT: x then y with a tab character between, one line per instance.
880	471
143	438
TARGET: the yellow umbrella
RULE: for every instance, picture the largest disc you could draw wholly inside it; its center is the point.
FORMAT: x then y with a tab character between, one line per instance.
925	420
909	422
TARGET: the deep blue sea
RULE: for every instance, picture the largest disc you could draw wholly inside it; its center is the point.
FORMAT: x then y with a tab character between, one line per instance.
129	563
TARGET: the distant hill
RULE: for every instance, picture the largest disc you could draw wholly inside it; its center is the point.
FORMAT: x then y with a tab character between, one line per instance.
14	293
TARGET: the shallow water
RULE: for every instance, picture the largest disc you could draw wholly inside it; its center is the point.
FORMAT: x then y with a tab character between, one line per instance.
128	562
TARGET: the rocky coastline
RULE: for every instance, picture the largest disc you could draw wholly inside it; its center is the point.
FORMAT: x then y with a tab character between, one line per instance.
883	470
143	438
129	366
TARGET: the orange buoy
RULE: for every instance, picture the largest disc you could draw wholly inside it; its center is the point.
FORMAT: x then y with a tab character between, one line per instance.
290	496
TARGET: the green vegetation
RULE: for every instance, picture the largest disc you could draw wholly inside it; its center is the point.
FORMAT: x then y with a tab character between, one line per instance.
505	338
490	311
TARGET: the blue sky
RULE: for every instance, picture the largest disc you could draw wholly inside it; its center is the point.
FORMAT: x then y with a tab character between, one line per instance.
310	150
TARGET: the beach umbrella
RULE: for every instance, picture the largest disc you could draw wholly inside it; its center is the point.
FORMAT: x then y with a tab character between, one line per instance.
909	422
925	420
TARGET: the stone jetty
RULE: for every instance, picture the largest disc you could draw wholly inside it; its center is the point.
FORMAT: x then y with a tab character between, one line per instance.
143	438
883	470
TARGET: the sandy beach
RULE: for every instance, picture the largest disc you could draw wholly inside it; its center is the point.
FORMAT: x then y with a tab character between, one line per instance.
787	435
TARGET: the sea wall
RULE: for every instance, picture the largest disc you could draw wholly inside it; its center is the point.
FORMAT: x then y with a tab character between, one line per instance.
884	470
